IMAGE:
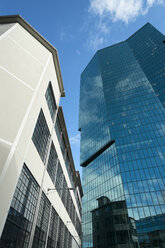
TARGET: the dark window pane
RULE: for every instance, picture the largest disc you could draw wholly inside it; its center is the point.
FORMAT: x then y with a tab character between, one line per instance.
51	101
41	136
59	180
53	229
16	233
58	129
42	223
52	163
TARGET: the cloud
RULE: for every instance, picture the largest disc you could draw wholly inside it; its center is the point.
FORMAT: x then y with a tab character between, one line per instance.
96	30
75	140
121	10
97	33
95	42
62	35
101	13
78	52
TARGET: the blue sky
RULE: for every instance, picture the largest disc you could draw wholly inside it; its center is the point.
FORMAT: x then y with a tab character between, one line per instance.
78	29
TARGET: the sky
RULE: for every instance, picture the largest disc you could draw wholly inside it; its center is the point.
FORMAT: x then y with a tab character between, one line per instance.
78	28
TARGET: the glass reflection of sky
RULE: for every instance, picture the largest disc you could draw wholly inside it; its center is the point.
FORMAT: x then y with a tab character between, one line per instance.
122	98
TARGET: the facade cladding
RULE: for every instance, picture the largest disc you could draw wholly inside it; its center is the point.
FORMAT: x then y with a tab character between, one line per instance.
40	188
122	99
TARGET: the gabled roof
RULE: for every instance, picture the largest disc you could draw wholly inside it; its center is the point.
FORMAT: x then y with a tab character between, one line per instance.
41	39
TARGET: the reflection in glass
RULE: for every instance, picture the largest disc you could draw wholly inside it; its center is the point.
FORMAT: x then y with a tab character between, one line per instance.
122	98
151	231
111	225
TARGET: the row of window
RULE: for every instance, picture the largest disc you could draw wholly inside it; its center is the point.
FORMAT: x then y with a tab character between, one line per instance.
49	228
56	174
53	155
41	139
63	146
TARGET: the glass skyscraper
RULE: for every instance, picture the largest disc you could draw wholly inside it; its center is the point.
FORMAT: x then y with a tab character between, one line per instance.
122	124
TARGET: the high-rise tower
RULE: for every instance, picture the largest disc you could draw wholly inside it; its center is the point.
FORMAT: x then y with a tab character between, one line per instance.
122	124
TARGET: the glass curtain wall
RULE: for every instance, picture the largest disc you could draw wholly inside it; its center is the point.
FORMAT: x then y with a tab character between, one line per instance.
118	102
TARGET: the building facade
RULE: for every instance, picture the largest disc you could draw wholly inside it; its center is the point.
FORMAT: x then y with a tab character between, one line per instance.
111	225
40	190
122	124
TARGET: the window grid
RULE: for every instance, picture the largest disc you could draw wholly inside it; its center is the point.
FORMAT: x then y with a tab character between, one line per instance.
53	229
52	163
42	223
51	101
41	136
19	222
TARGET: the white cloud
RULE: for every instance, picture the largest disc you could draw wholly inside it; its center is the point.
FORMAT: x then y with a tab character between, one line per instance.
122	10
95	42
62	35
102	12
103	26
78	52
75	140
97	29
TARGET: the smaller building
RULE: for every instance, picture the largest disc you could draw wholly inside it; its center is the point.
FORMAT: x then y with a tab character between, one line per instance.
111	225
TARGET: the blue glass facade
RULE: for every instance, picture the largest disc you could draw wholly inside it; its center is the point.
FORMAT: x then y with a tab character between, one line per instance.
122	98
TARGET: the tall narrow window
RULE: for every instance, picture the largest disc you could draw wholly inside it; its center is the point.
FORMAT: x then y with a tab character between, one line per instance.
59	180
51	101
52	163
58	129
53	229
65	193
41	136
60	242
42	223
63	146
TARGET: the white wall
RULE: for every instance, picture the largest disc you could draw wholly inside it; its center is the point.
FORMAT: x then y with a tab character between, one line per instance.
26	67
5	27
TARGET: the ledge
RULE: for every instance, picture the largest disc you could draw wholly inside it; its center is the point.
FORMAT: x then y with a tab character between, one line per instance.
98	153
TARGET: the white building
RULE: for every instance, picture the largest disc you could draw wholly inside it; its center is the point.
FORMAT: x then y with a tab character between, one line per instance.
35	154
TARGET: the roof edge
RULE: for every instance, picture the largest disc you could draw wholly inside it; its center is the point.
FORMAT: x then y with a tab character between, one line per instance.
146	24
18	19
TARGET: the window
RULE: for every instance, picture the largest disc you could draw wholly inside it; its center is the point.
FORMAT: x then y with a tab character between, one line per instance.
58	129
51	101
66	238
42	223
65	193
59	180
41	136
63	146
120	219
61	236
19	221
52	163
53	229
